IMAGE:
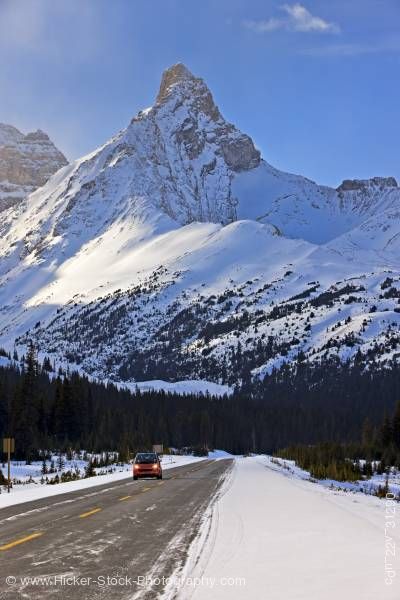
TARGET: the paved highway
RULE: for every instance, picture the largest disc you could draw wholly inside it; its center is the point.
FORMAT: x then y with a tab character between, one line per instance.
102	542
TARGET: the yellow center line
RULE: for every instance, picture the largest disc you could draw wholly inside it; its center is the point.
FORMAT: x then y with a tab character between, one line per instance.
160	482
146	489
90	512
125	497
32	536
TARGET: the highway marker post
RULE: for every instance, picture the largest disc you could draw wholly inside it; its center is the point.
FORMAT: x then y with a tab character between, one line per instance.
8	447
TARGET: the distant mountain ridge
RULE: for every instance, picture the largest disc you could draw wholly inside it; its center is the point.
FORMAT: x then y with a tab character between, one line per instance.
176	251
26	163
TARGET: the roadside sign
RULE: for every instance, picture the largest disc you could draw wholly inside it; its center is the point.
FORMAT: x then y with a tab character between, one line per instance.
159	448
8	445
8	448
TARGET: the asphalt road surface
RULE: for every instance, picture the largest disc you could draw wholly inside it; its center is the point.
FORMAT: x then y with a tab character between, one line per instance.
102	542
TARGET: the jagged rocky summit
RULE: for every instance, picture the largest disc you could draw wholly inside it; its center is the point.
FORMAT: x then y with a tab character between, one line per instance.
26	163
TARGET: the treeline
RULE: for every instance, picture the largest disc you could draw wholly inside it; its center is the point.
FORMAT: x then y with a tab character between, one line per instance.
328	401
303	404
324	461
378	449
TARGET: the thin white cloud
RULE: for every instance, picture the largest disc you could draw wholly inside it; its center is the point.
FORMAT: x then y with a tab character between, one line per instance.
271	24
297	18
302	20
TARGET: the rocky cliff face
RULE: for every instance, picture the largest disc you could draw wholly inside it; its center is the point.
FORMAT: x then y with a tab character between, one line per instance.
26	163
363	184
180	87
191	151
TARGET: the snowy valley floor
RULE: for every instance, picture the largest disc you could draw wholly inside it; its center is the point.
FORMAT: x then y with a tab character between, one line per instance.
270	536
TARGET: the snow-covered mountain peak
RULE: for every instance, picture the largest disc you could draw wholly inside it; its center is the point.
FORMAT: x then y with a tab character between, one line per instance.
198	123
175	250
177	76
9	135
37	135
179	85
174	164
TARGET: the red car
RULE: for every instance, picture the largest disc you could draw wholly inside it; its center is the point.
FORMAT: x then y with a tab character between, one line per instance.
147	464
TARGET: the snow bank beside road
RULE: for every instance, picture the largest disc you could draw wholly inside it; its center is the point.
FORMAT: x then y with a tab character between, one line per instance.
287	538
218	454
366	486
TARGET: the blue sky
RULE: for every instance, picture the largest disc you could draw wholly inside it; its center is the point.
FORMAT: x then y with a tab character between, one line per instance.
315	83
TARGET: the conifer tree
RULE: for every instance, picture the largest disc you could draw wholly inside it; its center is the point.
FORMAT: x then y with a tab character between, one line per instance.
367	433
3	480
25	414
89	471
60	462
386	431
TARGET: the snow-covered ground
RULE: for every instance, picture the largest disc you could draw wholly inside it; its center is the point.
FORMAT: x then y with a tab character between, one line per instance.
35	490
23	474
368	486
220	454
190	386
273	536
